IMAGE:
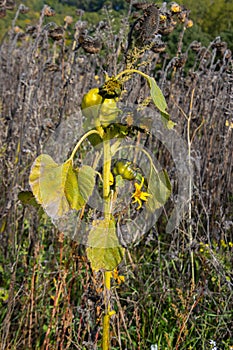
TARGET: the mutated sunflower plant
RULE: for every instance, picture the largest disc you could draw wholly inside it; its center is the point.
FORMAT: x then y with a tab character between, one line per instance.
61	188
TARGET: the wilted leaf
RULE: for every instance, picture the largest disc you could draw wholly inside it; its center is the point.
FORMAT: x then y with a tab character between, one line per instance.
159	187
104	251
55	186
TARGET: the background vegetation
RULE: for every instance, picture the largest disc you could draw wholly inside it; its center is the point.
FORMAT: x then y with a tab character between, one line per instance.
49	297
211	18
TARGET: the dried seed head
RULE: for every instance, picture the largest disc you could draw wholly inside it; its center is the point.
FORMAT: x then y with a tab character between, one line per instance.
147	26
167	29
56	33
195	46
48	11
31	29
68	19
180	61
221	46
158	47
92	47
89	44
23	9
81	25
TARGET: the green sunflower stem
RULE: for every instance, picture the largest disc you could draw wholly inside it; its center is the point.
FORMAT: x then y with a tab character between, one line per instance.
106	175
81	141
107	215
130	71
106	321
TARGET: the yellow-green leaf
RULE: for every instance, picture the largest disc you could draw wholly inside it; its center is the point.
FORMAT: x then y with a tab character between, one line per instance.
55	186
160	102
159	187
157	96
72	190
104	250
86	181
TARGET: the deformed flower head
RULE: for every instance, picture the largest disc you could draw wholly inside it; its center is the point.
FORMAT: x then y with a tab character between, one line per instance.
68	19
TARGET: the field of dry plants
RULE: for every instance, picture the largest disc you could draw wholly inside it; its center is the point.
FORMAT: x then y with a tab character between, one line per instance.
49	296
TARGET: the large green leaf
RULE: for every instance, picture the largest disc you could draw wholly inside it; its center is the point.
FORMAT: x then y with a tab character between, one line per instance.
104	250
55	186
159	187
160	102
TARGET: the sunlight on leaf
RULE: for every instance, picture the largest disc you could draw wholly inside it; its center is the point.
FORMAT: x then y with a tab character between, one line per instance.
160	102
55	186
157	96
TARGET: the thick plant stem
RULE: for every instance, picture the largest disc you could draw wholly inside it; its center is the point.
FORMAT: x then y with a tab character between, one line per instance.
106	323
107	214
106	177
